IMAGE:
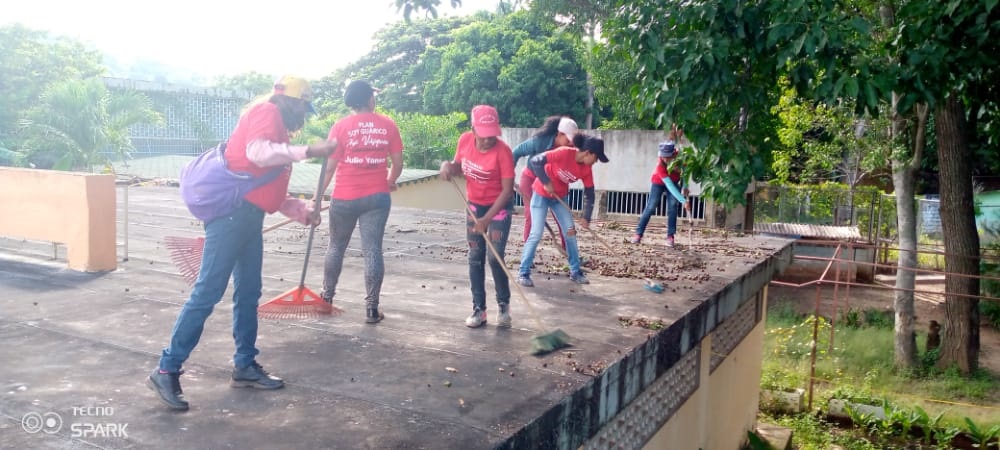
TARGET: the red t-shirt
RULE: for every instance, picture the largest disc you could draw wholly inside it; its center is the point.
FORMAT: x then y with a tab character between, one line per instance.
661	172
484	170
364	143
262	121
563	170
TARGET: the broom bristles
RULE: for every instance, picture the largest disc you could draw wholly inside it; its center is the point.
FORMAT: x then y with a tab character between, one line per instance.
549	342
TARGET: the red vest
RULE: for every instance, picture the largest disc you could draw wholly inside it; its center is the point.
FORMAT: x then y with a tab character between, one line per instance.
262	121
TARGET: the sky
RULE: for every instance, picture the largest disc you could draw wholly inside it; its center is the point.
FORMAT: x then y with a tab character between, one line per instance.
213	38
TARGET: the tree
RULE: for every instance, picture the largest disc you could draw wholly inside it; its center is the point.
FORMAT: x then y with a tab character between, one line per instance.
944	49
30	61
428	139
527	70
429	7
826	142
75	120
392	64
250	84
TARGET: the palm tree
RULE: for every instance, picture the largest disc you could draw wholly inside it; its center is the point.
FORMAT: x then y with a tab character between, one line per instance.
76	120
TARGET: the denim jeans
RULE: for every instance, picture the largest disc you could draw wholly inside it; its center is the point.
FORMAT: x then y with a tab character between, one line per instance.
498	231
371	213
540	206
234	246
526	194
673	207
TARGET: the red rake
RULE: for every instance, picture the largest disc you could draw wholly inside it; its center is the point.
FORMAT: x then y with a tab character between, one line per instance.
301	302
186	252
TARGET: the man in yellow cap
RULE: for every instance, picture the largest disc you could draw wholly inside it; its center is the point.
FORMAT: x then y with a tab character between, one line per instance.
234	245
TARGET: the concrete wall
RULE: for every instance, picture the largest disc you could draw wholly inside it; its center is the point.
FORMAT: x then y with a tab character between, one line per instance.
724	408
807	269
76	209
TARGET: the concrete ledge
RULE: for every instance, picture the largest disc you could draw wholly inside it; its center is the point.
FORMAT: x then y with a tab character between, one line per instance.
72	208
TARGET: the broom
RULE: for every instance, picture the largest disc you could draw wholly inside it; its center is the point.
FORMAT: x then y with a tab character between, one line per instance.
592	232
540	344
301	302
186	252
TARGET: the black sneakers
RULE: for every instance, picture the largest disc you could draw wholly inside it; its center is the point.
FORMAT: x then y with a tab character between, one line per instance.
254	376
373	315
168	385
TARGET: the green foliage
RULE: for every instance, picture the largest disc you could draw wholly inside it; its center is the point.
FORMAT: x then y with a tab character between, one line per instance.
827	142
31	61
428	140
75	120
394	64
982	437
249	84
428	7
527	69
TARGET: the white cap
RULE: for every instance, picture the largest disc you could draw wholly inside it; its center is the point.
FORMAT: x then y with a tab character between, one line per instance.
568	127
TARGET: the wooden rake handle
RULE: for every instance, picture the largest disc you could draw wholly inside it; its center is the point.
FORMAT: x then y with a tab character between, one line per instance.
288	221
592	232
503	264
552	234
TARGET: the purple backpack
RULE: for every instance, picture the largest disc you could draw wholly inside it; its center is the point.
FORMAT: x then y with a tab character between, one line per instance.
210	190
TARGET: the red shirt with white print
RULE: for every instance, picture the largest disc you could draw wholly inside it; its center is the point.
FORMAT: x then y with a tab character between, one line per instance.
563	170
364	143
484	171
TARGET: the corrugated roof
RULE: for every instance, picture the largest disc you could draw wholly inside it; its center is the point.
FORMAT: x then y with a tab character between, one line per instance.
809	231
305	175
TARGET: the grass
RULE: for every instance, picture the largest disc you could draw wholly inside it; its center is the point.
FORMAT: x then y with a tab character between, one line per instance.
859	364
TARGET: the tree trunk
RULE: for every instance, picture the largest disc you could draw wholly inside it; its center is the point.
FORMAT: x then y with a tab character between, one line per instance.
960	342
903	176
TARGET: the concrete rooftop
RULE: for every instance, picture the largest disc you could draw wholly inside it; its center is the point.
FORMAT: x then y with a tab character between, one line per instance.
79	345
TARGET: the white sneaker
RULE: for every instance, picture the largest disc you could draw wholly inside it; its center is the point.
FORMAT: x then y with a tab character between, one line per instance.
477	319
503	316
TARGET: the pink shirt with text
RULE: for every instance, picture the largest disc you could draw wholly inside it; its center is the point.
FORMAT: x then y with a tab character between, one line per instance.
563	170
484	171
364	143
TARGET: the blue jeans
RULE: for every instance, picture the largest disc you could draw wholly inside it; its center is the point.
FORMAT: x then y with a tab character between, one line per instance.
673	206
498	232
234	246
540	206
371	213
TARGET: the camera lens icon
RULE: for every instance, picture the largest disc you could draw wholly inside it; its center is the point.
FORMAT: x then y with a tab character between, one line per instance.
48	423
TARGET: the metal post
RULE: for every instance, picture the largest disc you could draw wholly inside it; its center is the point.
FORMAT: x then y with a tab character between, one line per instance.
125	222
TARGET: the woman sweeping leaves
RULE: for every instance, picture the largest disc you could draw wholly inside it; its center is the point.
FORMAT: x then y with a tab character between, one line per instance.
662	175
555	171
488	166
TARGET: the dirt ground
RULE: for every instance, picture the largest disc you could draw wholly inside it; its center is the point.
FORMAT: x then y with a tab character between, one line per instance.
927	309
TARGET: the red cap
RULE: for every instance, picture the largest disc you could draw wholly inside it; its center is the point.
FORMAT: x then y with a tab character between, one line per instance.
485	121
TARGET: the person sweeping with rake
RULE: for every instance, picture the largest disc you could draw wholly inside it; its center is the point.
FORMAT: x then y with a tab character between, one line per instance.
234	243
487	163
555	171
662	175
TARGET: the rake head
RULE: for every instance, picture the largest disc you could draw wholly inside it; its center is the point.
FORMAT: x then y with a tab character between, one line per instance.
186	255
297	303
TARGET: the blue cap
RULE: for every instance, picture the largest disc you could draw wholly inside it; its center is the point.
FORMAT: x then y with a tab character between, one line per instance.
667	149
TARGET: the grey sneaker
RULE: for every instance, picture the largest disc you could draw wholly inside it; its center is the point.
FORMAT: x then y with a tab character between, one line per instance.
503	316
254	376
477	319
525	280
579	278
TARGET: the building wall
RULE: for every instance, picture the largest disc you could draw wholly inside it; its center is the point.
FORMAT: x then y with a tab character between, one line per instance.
76	209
